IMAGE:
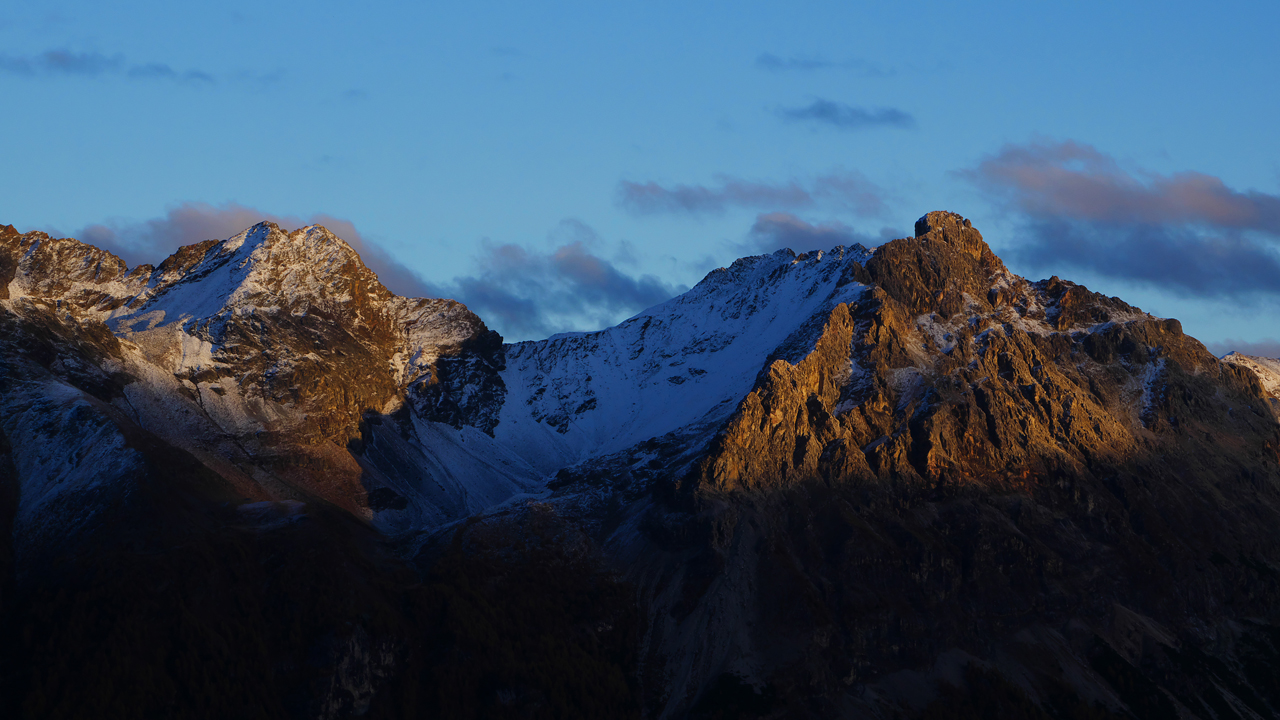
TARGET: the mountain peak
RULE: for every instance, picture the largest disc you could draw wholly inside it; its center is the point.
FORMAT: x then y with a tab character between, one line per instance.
945	268
1267	370
941	220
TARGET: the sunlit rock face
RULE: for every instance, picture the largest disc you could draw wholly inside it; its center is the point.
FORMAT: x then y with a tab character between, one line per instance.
847	483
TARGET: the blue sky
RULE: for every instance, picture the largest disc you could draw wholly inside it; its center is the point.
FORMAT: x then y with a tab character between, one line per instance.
560	165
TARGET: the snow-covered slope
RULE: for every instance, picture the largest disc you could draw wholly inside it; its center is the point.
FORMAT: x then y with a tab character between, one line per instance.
681	366
687	361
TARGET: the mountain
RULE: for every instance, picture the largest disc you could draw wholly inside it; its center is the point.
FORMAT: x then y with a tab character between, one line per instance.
1267	370
893	483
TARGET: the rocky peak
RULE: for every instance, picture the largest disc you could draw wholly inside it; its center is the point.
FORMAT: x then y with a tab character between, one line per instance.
945	268
1267	370
263	268
35	264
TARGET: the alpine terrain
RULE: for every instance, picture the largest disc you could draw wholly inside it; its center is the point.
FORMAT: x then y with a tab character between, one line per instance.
891	483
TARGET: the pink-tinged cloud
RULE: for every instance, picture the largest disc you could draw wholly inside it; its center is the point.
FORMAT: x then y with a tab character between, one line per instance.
1077	181
838	190
151	241
1187	232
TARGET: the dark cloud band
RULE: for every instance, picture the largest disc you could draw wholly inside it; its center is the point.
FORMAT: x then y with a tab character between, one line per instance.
526	293
1261	348
774	231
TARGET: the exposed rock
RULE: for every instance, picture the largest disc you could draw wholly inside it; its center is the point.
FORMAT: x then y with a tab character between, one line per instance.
1267	370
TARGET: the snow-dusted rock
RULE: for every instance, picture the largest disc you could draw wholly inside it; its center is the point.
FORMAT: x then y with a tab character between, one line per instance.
1267	370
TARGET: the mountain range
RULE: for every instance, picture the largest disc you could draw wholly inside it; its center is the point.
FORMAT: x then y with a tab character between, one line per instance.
880	483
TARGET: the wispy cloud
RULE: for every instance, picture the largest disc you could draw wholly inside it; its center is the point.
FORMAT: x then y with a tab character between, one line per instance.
61	62
846	117
844	190
150	241
528	293
1187	231
54	63
809	63
160	71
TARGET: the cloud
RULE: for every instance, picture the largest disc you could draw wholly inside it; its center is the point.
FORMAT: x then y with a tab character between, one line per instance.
847	117
54	63
845	190
777	230
808	63
1075	180
1187	231
526	293
150	241
1262	348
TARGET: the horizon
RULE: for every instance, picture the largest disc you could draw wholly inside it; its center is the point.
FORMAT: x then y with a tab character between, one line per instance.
383	263
562	168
